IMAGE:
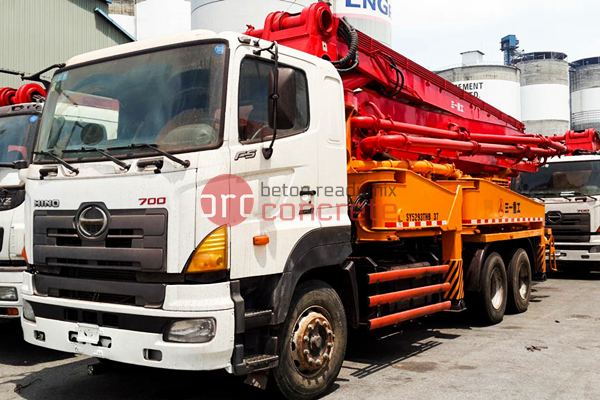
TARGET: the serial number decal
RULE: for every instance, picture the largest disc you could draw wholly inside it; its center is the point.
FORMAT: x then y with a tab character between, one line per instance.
152	201
419	217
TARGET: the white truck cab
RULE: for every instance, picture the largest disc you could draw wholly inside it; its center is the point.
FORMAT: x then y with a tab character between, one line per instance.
569	187
18	126
125	260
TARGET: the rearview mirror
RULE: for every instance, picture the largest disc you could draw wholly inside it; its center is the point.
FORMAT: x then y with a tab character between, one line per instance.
286	103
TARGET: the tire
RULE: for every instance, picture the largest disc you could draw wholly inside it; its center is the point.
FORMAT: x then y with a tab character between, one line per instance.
317	313
519	282
491	299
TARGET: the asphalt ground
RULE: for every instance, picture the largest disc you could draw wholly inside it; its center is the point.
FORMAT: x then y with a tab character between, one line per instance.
446	356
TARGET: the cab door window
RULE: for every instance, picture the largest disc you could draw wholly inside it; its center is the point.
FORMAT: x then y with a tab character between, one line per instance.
253	108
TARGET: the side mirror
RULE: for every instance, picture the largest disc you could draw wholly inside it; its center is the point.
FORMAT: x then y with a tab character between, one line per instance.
286	104
20	164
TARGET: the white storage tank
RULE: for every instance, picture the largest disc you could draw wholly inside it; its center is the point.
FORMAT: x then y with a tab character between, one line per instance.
145	19
585	94
234	15
494	83
372	17
545	93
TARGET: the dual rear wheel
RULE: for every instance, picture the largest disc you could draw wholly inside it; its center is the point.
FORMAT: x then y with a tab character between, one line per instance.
503	288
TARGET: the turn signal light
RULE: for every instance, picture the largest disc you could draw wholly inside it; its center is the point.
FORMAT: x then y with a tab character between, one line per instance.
24	254
261	240
211	255
13	312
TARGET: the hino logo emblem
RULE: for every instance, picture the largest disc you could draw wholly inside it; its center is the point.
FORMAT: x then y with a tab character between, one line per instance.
92	222
46	203
554	217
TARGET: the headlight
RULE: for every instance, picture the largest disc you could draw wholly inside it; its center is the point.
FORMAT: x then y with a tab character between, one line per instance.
201	330
8	294
28	313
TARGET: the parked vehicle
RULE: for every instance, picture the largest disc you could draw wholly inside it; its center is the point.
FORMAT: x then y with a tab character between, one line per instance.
240	201
18	127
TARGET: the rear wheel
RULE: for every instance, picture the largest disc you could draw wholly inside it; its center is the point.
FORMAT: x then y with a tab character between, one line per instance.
519	282
491	299
312	342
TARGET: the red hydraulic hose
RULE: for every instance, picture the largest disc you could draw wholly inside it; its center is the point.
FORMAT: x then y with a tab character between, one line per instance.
373	122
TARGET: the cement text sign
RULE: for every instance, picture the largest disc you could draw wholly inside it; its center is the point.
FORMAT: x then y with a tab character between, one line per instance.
367	9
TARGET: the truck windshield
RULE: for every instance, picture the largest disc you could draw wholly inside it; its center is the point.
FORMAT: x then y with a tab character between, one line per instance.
169	98
13	137
562	179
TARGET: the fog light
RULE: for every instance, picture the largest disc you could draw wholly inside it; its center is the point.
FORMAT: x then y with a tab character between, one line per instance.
594	249
8	294
201	330
28	313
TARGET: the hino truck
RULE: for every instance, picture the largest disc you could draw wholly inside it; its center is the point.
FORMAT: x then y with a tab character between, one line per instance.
234	201
19	121
569	188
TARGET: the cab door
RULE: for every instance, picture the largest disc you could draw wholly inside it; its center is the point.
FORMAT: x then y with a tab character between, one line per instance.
285	186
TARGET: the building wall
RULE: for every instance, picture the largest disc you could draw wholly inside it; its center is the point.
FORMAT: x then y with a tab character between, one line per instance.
497	85
55	31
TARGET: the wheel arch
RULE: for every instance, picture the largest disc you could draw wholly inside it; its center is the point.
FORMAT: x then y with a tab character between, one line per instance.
476	256
320	254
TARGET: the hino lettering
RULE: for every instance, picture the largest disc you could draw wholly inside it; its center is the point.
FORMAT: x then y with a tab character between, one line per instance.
55	203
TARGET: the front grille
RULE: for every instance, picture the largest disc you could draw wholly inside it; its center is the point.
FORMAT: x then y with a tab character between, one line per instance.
573	227
97	297
98	274
135	240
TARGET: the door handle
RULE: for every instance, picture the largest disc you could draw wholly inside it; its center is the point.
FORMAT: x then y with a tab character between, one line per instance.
308	192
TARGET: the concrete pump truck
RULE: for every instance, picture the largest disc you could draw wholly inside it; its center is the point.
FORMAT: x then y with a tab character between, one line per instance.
238	201
20	110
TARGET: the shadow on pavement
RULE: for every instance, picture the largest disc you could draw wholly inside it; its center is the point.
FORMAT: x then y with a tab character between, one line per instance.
387	347
15	351
71	381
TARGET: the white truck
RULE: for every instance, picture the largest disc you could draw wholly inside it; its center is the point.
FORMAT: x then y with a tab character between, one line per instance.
569	188
18	127
215	201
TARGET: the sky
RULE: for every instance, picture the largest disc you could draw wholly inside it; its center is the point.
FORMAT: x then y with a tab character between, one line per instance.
433	33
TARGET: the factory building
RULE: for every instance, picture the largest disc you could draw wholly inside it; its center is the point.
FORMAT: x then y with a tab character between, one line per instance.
146	19
545	93
373	17
585	94
76	26
496	84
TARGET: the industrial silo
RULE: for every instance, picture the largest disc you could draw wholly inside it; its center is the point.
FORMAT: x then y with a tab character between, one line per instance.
234	15
372	17
494	83
545	93
585	94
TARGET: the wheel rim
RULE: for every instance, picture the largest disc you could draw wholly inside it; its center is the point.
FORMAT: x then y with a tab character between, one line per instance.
313	341
497	289
523	280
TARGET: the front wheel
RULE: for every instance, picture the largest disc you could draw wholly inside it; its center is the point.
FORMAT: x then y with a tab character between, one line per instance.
312	342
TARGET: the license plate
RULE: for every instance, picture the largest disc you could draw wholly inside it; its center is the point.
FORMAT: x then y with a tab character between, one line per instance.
88	334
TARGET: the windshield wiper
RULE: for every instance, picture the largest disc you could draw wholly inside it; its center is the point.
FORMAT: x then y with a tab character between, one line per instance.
153	147
58	159
120	163
579	195
19	164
